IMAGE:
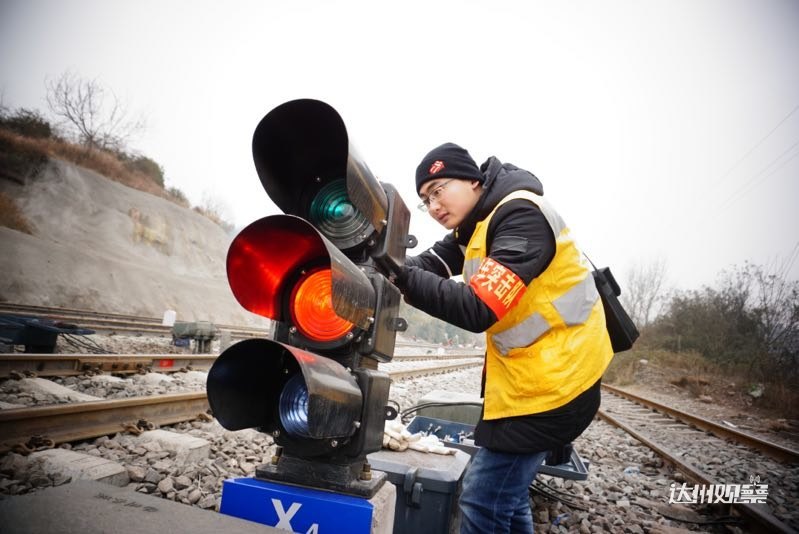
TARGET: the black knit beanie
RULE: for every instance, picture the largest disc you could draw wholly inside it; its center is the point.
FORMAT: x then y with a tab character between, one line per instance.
447	161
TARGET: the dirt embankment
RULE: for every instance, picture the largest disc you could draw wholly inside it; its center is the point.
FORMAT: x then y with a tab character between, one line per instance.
97	244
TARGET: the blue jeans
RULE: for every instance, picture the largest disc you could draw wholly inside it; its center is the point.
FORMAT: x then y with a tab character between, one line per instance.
495	497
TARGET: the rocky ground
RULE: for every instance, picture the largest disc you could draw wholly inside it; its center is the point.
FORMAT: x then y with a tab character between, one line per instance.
627	490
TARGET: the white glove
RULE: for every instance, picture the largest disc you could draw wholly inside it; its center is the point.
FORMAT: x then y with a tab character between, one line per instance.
397	438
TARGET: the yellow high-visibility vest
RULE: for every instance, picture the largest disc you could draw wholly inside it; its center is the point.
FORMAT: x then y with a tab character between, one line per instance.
552	344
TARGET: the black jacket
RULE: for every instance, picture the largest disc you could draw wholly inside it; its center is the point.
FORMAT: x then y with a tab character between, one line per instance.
519	238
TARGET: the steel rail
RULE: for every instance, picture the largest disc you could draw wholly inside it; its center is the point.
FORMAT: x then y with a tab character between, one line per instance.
107	321
63	423
412	373
47	365
427	357
52	365
779	452
759	514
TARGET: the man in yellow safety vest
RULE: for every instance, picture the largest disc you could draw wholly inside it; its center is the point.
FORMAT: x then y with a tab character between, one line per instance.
526	285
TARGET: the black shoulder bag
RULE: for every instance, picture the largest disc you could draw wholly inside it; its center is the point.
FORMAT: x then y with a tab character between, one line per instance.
621	328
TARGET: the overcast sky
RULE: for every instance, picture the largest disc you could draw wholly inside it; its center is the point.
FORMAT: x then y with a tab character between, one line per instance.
659	129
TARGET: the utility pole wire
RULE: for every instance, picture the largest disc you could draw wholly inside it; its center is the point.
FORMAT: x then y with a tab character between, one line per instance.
737	163
750	182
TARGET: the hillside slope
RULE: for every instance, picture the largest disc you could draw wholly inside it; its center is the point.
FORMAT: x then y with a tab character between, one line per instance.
100	245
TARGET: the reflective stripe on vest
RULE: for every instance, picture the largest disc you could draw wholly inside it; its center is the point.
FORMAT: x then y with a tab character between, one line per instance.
574	308
470	267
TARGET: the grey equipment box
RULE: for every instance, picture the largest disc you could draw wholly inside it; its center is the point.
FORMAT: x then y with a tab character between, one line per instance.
452	416
428	487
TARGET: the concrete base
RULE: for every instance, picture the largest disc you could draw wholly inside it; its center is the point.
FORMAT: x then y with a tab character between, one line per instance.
94	508
81	466
189	449
40	385
196	376
384	509
109	379
152	379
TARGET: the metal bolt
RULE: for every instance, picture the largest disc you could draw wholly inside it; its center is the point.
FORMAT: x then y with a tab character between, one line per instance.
384	221
366	471
276	433
285	371
334	443
371	242
293	330
356	424
318	179
349	336
371	320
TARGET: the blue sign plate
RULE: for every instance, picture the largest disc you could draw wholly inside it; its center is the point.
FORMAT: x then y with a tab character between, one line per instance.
295	509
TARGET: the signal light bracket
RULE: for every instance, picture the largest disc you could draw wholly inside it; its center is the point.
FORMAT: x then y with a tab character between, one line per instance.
389	251
379	341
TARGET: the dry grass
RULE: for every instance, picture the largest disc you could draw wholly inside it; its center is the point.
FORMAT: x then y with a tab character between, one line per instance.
99	161
699	377
782	399
12	217
215	217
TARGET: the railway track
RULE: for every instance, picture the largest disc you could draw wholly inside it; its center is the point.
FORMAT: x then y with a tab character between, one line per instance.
424	357
62	365
83	420
662	431
54	365
116	322
709	454
24	427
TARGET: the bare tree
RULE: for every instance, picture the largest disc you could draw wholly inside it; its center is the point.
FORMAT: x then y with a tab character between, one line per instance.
96	114
644	291
776	303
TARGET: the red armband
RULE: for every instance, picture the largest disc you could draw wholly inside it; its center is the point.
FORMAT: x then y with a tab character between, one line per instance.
497	286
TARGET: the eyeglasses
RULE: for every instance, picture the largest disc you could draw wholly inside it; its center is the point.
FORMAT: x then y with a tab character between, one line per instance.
434	196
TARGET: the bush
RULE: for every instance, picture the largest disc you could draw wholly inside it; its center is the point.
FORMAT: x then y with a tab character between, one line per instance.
27	122
177	196
21	157
149	167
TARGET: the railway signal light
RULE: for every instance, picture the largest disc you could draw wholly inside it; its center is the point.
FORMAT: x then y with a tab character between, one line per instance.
320	271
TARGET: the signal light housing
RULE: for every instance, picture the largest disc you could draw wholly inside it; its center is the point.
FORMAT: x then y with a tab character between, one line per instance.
312	405
320	271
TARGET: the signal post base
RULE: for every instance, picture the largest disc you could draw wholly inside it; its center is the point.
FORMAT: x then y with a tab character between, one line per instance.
340	478
308	510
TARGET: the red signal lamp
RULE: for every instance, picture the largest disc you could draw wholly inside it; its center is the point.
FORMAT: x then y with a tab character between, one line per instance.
311	307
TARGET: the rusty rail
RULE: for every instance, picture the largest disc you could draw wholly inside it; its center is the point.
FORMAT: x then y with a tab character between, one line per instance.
77	364
63	423
411	373
758	514
779	452
116	322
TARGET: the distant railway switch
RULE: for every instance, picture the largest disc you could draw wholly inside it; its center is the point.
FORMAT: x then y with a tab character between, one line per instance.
202	332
